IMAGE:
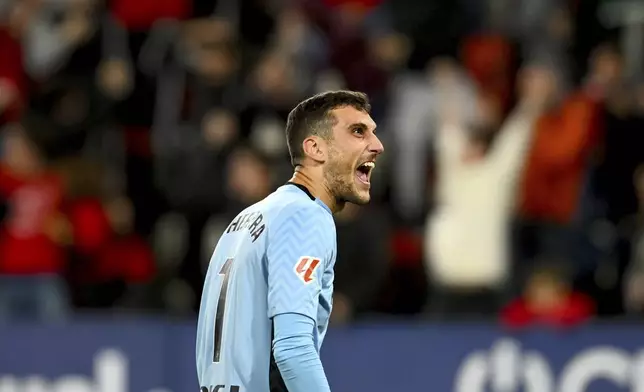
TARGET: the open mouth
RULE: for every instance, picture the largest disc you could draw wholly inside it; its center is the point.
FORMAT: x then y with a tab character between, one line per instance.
363	172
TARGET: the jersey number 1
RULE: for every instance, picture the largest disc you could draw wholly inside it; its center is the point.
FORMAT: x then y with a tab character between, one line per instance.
221	309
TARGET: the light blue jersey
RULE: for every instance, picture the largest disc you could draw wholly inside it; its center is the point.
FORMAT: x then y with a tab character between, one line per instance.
275	258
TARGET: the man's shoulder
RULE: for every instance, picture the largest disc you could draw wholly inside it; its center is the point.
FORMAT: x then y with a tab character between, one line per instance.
301	225
287	204
303	212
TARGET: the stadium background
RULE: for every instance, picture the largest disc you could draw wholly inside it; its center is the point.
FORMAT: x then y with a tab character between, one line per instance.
502	251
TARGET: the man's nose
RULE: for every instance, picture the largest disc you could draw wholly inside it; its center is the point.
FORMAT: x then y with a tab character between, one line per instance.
376	146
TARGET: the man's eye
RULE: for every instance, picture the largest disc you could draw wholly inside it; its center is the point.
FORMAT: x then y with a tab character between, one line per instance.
358	131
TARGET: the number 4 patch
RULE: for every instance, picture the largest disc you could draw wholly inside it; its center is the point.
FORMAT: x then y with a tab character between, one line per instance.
305	268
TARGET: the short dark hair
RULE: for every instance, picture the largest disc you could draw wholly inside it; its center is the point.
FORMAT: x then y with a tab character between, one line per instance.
312	117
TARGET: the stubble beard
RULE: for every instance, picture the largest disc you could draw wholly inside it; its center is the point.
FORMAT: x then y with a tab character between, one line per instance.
339	178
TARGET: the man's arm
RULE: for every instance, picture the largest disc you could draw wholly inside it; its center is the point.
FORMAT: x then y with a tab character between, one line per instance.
297	253
295	354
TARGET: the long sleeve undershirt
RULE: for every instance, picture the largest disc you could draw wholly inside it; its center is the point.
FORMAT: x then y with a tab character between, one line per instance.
296	355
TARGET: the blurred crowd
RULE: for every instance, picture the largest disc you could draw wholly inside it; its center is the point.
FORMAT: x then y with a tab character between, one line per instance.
512	183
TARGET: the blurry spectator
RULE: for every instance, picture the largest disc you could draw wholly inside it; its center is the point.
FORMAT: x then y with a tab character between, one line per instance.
274	87
554	37
418	103
633	231
248	178
556	168
433	27
55	31
149	32
33	235
190	162
110	261
64	114
475	190
219	129
11	79
362	261
389	51
548	300
489	59
114	78
14	22
302	43
605	72
274	80
114	261
522	19
191	171
621	139
195	126
208	47
348	37
36	39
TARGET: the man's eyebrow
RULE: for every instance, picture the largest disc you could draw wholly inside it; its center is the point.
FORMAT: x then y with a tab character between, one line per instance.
358	125
363	126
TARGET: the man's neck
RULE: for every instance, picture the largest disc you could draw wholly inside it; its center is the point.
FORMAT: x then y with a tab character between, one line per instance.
318	188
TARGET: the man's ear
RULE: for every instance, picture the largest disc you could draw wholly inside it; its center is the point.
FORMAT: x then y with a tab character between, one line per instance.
315	148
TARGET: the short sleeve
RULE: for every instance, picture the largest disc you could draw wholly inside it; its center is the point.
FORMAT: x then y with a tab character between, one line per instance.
298	246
